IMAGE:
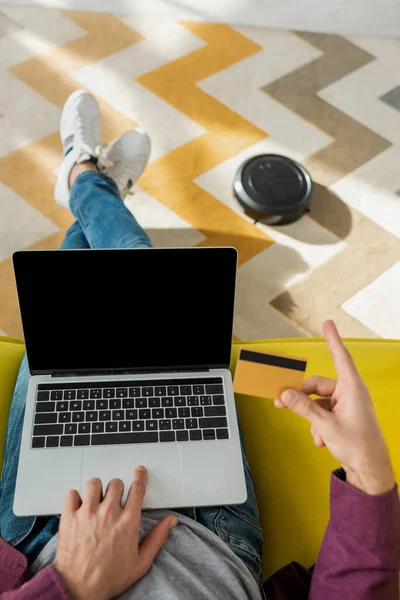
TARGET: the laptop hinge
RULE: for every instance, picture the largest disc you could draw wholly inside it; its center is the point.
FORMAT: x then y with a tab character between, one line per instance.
111	372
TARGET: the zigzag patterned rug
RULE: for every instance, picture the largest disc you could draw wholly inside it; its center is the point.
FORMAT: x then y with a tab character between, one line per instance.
210	96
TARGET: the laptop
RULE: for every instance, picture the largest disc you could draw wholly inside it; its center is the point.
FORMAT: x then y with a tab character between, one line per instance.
128	354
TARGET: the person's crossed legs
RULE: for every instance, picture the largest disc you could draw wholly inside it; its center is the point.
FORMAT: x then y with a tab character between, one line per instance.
90	184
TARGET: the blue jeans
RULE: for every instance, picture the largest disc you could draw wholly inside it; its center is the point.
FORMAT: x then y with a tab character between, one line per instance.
104	222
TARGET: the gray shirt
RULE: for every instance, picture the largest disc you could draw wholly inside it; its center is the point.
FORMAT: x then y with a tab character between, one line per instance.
194	564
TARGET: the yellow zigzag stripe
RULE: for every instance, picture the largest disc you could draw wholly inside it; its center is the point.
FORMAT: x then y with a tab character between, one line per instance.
170	178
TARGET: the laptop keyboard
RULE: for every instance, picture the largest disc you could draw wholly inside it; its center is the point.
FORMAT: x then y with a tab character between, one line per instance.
104	413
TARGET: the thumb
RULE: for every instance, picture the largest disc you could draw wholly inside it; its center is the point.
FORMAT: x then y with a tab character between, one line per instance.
153	543
301	404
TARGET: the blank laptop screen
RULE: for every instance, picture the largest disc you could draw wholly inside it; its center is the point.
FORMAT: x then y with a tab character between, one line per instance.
101	310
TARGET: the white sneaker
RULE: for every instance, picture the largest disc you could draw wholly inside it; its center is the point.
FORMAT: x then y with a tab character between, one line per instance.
80	132
125	159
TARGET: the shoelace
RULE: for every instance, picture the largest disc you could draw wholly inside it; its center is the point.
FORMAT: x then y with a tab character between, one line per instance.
105	164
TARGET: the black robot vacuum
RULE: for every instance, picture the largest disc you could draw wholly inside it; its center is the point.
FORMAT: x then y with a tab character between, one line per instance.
273	189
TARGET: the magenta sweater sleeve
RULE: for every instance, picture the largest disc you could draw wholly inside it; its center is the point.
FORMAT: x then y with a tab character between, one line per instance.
46	585
360	554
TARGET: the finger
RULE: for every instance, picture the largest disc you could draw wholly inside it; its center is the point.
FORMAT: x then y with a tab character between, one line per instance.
305	407
137	492
114	493
93	493
318	441
72	502
344	364
154	542
278	403
322	386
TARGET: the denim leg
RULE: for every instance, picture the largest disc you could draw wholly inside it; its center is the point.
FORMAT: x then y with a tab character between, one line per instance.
28	534
102	215
75	238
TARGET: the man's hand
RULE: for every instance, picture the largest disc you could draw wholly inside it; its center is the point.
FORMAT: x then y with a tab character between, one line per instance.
343	419
98	552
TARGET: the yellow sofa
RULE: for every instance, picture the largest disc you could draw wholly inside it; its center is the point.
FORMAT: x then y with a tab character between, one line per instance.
290	475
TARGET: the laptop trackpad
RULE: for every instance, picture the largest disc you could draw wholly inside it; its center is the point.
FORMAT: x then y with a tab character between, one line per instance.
163	462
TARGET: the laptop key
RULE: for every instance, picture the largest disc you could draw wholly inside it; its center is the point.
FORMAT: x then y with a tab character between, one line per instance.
215	411
124	426
41	418
118	415
195	435
69	394
115	404
38	442
218	400
173	390
43	396
184	412
82	395
56	395
78	417
97	427
171	413
128	403
45	406
160	391
134	392
154	402
197	411
138	426
84	428
48	429
198	389
105	415
92	415
96	393
82	440
182	436
145	413
66	440
88	405
205	400
77	405
71	428
125	438
157	413
213	422
64	417
208	434
167	401
141	402
193	401
60	406
191	424
131	414
121	392
165	424
101	404
147	391
216	388
222	434
167	436
178	424
108	393
111	426
180	401
52	441
186	390
151	425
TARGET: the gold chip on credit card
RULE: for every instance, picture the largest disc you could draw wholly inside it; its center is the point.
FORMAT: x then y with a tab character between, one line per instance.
267	375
